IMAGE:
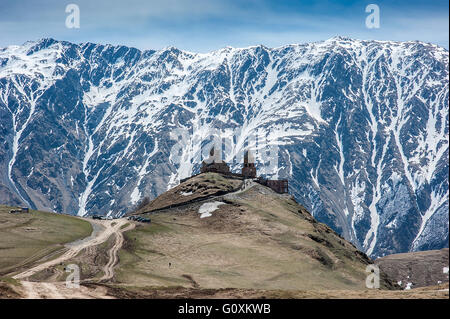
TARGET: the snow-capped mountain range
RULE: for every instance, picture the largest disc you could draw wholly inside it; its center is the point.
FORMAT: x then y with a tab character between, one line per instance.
362	128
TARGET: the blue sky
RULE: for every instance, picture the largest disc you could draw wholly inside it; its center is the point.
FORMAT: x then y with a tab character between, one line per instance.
205	25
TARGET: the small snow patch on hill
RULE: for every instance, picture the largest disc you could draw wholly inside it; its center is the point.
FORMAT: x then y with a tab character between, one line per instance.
207	208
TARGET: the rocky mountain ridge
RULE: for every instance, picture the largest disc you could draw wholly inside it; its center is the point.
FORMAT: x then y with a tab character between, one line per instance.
361	128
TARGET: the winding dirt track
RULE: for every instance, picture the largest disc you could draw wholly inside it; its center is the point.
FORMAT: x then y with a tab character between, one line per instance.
113	253
58	290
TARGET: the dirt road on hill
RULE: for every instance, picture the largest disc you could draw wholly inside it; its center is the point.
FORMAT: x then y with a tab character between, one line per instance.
113	253
103	230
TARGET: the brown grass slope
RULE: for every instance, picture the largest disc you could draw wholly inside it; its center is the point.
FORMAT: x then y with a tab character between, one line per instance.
421	268
199	187
27	238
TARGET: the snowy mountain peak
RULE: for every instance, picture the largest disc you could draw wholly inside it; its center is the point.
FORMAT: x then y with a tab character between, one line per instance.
361	126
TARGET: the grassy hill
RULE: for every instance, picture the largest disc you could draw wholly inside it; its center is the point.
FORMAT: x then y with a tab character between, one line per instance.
416	269
26	238
249	244
256	239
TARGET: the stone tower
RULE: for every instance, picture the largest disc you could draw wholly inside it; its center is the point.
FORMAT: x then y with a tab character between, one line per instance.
249	169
